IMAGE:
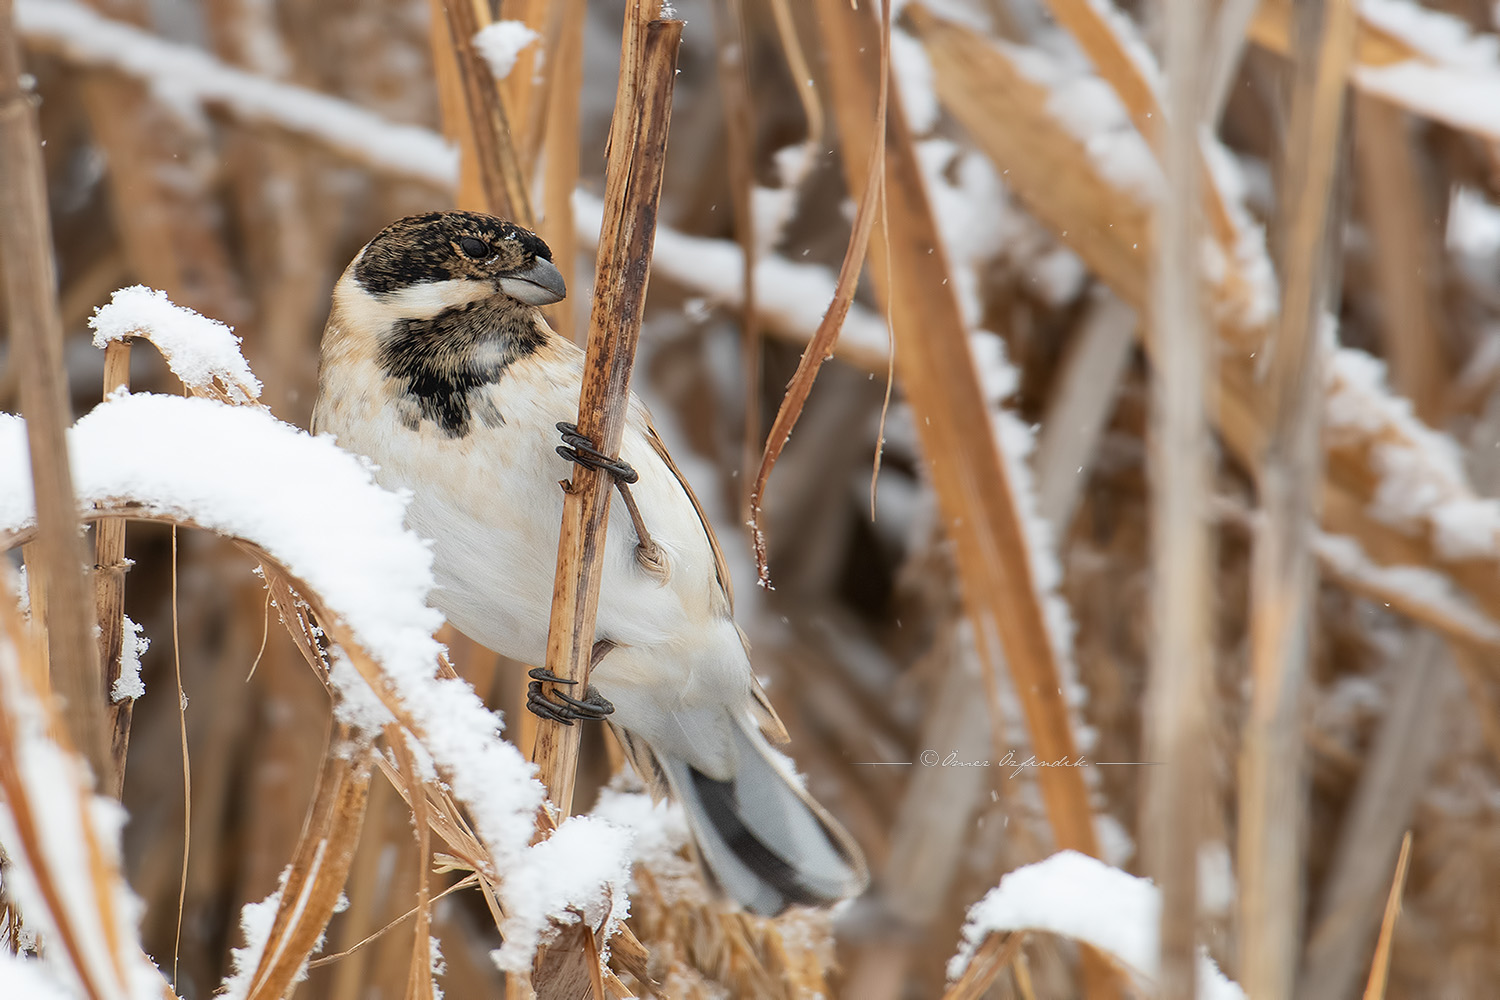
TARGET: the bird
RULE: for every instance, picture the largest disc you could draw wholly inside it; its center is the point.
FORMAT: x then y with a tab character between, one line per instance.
438	367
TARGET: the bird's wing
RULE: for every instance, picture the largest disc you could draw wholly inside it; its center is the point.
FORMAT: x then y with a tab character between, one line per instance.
765	715
721	568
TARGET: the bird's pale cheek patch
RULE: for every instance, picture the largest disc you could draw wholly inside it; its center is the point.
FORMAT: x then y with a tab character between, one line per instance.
429	298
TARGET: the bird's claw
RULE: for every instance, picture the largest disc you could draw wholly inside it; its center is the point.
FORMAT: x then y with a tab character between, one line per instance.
567	709
581	450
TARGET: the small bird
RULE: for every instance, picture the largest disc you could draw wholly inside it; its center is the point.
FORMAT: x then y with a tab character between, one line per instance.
438	366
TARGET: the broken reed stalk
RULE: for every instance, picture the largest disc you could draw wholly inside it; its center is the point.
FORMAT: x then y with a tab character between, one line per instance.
1182	652
320	864
1283	570
36	337
820	348
739	133
638	146
109	600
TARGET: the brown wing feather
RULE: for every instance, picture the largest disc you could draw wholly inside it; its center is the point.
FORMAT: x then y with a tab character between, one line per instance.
770	723
721	568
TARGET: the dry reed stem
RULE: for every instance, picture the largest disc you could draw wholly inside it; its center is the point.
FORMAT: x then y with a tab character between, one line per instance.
1380	967
75	932
1395	208
1079	407
990	959
933	357
524	100
319	865
638	138
820	348
36	343
564	62
1396	771
485	119
633	175
1283	573
1229	40
732	46
1181	650
419	976
452	99
110	567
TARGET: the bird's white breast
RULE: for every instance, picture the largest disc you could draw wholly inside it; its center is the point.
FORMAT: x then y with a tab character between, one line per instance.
491	504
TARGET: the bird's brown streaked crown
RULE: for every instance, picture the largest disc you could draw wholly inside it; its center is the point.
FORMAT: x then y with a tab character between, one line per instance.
444	246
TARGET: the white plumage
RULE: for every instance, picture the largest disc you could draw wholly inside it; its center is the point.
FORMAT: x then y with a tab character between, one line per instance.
454	389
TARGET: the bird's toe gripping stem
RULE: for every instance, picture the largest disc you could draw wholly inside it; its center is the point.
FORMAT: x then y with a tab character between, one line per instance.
580	449
566	709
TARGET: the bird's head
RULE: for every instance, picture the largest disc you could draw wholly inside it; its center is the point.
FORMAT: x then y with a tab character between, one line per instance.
424	265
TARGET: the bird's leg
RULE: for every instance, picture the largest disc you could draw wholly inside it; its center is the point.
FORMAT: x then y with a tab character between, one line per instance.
593	708
581	450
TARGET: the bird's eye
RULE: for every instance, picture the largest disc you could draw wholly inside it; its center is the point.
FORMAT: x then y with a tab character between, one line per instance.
475	249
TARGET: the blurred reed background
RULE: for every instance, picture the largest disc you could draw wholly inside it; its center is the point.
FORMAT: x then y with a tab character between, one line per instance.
1313	695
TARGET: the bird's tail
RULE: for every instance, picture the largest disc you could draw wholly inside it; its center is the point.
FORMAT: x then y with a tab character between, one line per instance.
761	838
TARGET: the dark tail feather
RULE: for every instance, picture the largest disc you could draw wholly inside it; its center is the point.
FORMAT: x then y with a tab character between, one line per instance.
762	840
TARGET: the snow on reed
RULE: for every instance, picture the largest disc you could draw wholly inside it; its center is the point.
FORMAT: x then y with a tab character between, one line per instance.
791	296
196	348
502	43
133	645
187	77
316	509
1454	80
29	979
787	295
46	831
1422	484
1421	586
1082	898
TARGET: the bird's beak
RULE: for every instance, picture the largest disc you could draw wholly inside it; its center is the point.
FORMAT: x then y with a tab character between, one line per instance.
541	284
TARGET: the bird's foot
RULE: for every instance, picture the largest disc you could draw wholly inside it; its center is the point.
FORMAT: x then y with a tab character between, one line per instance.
580	449
566	709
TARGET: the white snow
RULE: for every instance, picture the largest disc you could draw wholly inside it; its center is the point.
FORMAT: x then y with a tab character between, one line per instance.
1464	100
316	510
1082	898
582	866
913	76
128	686
1473	224
256	921
1422	485
1421	586
184	76
1088	108
502	43
1440	37
64	817
199	350
790	296
29	979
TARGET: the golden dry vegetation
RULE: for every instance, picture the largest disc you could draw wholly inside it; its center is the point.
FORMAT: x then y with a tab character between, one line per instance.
1145	496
